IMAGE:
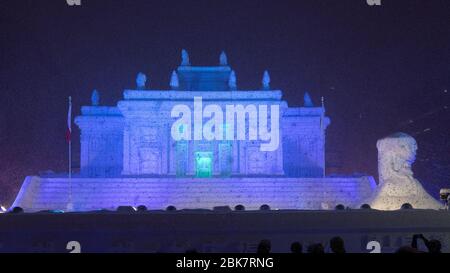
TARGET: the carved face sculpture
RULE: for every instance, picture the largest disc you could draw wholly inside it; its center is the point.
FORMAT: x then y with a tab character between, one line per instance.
404	148
409	149
396	154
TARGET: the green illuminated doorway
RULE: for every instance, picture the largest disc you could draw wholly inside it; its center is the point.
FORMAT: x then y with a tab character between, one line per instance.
203	164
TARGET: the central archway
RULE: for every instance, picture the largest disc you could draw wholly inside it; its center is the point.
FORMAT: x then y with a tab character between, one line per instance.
203	164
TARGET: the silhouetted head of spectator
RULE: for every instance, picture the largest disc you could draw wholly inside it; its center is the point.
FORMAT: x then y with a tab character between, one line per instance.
337	245
365	206
339	207
316	249
406	249
296	247
406	206
264	207
264	247
434	246
191	251
239	208
171	208
17	210
141	208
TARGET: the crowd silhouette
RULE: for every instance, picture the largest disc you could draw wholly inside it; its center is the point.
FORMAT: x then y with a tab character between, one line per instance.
337	246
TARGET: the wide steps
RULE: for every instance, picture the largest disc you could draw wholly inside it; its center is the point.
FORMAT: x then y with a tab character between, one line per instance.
156	193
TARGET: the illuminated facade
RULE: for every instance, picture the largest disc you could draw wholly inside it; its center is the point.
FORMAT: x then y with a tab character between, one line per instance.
130	157
134	138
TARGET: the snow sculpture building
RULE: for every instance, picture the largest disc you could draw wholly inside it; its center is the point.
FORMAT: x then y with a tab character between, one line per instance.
130	157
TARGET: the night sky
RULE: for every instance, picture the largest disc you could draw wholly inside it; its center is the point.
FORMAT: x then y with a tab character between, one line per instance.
381	69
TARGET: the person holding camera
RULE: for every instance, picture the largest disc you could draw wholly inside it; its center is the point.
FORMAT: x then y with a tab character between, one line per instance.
433	246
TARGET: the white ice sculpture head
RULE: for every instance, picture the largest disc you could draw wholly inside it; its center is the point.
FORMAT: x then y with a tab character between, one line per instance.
396	154
185	58
266	80
141	80
397	185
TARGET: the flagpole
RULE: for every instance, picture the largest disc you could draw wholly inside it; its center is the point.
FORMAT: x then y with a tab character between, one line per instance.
322	117
69	124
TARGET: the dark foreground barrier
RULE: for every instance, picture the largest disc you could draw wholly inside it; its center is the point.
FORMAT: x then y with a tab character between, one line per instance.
218	231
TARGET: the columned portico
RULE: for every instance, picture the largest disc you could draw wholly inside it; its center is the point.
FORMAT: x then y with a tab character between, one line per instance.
149	148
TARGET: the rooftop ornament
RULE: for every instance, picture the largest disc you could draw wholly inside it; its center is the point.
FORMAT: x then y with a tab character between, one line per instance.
266	80
185	58
95	98
141	80
307	101
223	59
232	81
174	82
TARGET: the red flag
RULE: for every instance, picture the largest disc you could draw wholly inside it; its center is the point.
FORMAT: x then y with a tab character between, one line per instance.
68	135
